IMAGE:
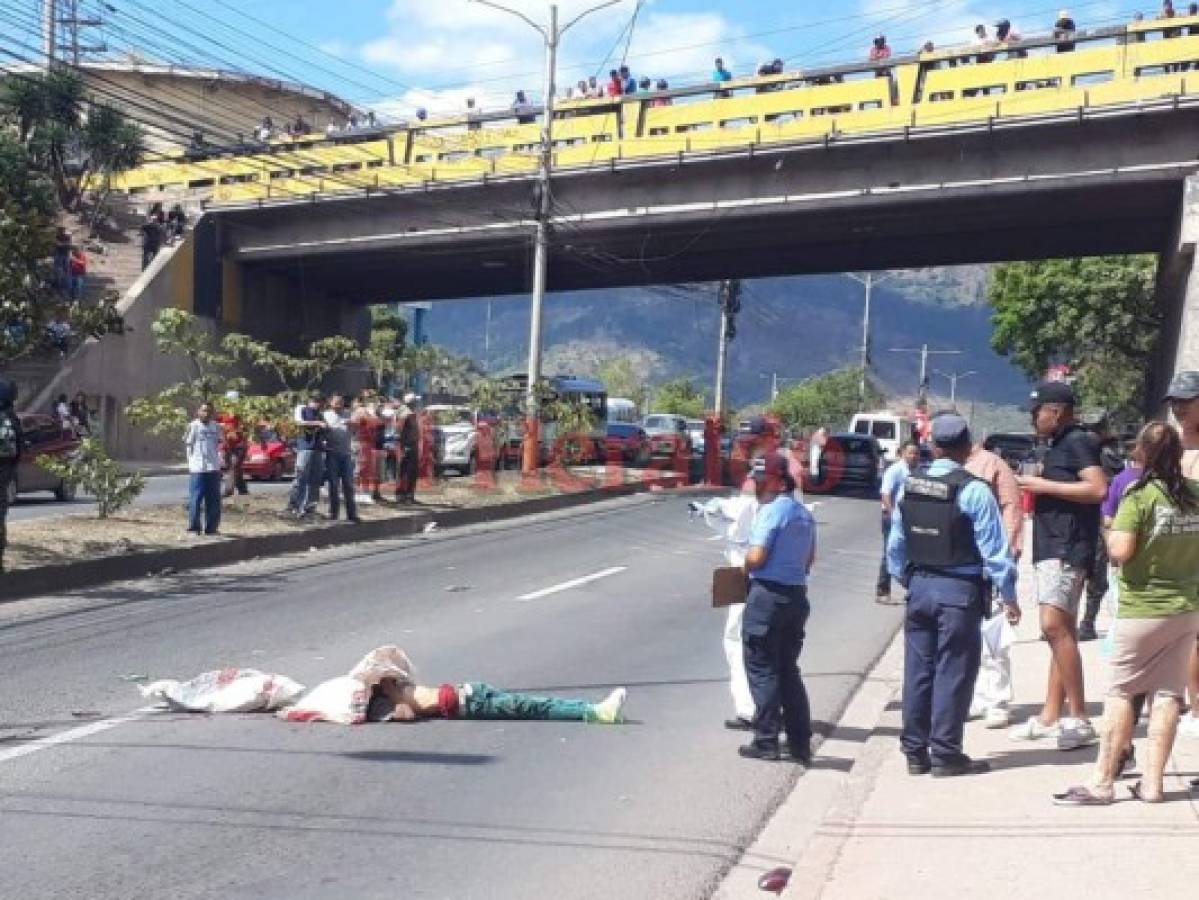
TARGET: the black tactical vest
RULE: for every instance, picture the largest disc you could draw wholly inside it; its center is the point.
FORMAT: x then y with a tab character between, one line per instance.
938	534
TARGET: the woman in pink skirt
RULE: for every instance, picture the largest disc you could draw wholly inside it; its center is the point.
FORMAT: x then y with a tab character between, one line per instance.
1154	539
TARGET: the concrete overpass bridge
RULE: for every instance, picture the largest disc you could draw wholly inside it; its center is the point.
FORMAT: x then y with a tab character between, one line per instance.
1111	180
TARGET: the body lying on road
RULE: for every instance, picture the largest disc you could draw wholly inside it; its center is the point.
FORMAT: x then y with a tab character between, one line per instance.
381	688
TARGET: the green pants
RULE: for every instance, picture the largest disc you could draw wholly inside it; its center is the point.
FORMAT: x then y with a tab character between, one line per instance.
482	701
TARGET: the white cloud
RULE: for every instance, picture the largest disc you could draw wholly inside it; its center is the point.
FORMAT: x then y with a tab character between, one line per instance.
456	49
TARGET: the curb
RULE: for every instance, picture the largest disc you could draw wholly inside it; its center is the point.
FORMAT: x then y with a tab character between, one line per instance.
22	583
804	833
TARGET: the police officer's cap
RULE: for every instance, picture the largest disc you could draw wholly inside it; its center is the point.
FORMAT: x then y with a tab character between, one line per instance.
1052	392
950	429
1183	386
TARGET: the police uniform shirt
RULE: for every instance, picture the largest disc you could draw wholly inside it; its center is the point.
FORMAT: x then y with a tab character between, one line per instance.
977	502
787	531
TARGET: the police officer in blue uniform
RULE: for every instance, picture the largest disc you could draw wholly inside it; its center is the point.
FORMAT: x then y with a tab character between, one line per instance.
782	548
948	547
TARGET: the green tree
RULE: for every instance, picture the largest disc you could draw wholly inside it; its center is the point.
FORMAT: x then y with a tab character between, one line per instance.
1096	315
384	354
824	401
27	298
681	397
98	474
76	142
623	376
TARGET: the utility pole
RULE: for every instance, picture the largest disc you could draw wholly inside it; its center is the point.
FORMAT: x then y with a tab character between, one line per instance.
953	383
868	282
729	296
552	37
925	353
49	32
72	24
487	341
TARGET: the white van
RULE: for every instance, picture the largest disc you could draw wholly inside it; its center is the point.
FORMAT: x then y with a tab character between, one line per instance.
890	429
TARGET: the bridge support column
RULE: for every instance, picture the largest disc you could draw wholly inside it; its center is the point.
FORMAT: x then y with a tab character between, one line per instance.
1178	295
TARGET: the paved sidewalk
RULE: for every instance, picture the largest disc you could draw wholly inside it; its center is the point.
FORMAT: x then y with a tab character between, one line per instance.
858	827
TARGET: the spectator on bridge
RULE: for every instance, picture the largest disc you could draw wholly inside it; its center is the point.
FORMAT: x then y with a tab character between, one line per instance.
594	91
299	127
982	40
1006	34
473	122
1063	30
422	114
265	130
331	129
339	462
582	90
662	85
202	442
77	268
615	84
645	85
879	52
720	73
62	255
627	82
523	109
176	222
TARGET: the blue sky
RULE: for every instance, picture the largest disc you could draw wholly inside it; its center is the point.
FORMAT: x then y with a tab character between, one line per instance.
393	55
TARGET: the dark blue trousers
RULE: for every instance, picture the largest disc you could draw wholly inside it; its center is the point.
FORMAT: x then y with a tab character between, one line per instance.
884	576
942	647
204	492
772	636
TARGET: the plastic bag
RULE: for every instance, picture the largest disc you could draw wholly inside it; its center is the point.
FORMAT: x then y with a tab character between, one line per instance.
340	700
993	687
226	690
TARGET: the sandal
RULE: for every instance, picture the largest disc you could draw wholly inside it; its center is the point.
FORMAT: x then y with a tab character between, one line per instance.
1138	793
1082	796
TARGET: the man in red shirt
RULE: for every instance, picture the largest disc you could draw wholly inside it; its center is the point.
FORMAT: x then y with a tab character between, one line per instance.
234	440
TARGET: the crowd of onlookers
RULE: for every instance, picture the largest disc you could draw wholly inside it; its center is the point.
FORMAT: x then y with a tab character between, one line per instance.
350	451
161	229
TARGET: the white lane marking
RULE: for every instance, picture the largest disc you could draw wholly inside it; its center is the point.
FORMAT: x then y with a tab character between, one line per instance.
573	583
74	734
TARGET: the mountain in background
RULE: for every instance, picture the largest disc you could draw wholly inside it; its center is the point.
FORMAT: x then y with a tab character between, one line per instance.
796	327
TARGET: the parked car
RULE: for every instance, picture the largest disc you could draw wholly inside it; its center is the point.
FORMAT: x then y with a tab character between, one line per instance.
44	436
1014	447
851	460
631	440
269	456
456	439
668	434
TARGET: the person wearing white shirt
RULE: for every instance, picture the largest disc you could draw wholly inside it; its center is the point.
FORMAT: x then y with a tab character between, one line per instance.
202	442
339	462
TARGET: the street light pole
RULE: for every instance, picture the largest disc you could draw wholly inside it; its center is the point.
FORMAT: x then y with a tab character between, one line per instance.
552	37
868	282
925	353
953	383
49	31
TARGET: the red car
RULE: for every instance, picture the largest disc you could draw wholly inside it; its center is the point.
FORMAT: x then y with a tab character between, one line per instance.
44	436
631	441
269	456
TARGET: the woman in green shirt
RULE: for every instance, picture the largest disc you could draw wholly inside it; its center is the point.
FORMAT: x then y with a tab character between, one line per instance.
1155	541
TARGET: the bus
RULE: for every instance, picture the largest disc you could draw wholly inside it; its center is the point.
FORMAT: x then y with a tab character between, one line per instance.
586	392
622	411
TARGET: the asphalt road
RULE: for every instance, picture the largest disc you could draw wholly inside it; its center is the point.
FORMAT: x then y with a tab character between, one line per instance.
159	489
247	806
